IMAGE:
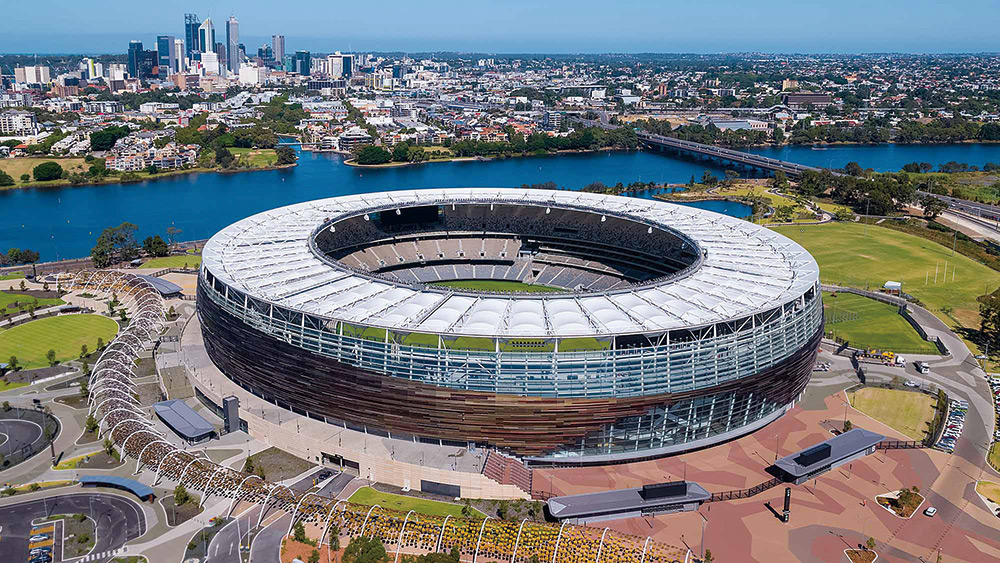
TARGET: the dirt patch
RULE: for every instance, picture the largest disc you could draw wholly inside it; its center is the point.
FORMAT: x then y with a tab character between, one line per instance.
276	465
99	461
180	514
87	438
149	393
32	375
291	550
72	401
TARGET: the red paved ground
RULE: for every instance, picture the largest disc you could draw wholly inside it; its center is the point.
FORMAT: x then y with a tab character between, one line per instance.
827	515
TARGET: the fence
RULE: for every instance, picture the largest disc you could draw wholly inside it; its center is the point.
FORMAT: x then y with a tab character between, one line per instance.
14	454
745	493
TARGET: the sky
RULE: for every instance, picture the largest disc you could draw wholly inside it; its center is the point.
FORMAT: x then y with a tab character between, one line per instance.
518	26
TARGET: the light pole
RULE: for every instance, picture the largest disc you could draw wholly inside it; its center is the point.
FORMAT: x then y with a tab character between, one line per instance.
704	523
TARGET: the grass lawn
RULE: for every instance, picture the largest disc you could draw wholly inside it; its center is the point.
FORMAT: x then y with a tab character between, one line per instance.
65	334
6	386
17	166
499	285
192	261
994	457
14	276
847	257
877	325
909	412
369	496
7	299
257	158
989	490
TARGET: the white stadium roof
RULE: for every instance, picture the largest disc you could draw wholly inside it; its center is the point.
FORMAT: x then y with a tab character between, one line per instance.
746	269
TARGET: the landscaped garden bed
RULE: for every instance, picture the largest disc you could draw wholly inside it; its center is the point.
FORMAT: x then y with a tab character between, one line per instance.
861	555
902	503
78	531
275	465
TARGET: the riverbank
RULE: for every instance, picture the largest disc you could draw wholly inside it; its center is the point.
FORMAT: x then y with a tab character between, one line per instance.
122	178
489	158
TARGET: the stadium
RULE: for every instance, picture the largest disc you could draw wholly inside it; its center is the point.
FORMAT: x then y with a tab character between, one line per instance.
556	326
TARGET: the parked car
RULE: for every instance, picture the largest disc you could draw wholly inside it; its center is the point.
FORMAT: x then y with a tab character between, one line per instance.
930	511
38	537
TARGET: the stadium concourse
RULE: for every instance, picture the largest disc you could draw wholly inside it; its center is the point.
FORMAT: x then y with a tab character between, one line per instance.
114	405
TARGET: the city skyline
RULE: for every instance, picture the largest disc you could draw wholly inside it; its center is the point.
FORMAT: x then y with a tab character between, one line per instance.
522	27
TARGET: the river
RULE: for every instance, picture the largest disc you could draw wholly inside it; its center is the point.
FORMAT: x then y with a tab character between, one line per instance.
64	222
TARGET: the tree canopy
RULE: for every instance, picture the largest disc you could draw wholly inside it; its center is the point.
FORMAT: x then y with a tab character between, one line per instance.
106	138
47	171
115	245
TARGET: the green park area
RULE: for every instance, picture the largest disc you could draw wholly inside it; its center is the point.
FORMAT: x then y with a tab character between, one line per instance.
989	490
66	334
909	412
499	285
16	167
14	276
866	323
191	261
12	302
994	456
255	158
369	497
849	256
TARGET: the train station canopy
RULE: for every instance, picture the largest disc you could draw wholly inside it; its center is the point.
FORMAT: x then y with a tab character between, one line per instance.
183	420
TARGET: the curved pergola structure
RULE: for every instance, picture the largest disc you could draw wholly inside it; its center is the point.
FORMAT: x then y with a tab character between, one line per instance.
130	430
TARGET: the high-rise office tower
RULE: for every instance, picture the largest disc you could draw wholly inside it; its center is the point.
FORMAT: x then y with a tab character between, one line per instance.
233	44
206	36
179	50
166	51
134	54
191	25
278	47
265	53
303	60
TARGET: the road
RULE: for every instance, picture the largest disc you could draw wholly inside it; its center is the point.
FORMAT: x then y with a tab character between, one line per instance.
119	520
18	434
267	544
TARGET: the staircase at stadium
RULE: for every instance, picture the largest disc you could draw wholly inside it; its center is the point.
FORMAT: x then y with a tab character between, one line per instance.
507	471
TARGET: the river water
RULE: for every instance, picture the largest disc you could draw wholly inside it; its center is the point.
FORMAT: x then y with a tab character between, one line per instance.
64	222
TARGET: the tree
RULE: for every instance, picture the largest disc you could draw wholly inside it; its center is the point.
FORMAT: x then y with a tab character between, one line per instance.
155	246
780	180
334	537
51	357
933	207
285	155
12	363
25	178
106	138
401	152
83	350
181	495
223	157
172	233
870	544
299	532
709	179
314	556
109	447
84	389
47	171
854	169
100	343
115	245
848	426
372	154
708	556
91	423
5	179
122	315
363	549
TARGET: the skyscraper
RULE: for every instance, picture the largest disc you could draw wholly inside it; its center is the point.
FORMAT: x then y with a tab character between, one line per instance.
134	53
179	50
303	60
166	51
278	47
206	36
191	25
233	44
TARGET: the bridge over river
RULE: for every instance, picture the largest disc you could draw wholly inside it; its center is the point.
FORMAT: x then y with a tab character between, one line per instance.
722	155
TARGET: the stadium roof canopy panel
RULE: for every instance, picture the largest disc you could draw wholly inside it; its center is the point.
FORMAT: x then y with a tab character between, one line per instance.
732	269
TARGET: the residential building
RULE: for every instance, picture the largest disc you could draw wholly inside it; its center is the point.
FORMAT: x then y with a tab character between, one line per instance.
210	63
233	44
18	123
33	75
253	75
191	26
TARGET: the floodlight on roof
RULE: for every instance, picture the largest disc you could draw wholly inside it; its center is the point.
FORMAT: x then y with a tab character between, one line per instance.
398	212
367	218
604	218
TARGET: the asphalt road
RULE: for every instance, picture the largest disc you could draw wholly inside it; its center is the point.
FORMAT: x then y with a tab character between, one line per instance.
18	434
118	520
267	544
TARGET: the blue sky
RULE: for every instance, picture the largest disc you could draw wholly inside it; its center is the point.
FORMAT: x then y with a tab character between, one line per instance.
551	26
